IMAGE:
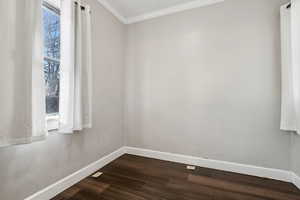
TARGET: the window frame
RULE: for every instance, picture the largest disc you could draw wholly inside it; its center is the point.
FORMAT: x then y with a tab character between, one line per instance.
52	119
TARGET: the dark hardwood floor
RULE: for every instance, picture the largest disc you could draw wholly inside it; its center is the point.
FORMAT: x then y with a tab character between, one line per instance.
137	178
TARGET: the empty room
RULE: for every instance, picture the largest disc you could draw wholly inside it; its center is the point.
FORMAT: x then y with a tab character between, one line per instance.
150	100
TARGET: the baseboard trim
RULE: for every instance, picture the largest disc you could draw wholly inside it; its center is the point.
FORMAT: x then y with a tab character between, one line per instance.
276	174
295	179
63	184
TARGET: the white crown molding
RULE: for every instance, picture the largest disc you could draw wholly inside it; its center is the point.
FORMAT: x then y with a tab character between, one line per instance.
171	10
158	13
111	9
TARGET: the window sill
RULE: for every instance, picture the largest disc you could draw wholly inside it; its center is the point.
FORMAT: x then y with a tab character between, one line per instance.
52	122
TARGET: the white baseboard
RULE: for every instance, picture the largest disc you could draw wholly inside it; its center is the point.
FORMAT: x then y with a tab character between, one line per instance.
276	174
58	187
295	179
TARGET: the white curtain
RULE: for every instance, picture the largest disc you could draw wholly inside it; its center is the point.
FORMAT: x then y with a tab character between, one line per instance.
76	75
290	37
22	86
287	101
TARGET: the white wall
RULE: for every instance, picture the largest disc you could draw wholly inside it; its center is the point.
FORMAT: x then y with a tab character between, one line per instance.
295	158
206	82
27	169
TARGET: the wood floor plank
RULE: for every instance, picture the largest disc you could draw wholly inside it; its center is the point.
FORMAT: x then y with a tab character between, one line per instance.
138	178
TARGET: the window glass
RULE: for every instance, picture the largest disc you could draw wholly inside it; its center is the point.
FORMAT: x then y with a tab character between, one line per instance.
51	26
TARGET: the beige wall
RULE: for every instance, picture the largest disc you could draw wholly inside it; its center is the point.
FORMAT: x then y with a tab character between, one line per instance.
206	82
27	169
295	158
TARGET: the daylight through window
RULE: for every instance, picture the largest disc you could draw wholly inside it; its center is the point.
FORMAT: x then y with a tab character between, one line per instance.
51	26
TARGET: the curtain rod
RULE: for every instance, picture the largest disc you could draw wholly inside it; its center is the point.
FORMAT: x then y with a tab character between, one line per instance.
81	6
289	6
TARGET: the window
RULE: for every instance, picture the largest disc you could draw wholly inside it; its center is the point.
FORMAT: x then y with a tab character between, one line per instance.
51	26
51	30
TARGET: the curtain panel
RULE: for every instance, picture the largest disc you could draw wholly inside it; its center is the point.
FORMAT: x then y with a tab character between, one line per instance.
23	110
295	44
287	100
76	67
290	44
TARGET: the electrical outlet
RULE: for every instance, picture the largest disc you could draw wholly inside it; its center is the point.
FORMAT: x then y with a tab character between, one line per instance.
97	174
190	167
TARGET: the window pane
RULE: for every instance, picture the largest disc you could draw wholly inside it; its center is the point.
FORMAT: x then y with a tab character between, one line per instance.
51	33
51	20
51	71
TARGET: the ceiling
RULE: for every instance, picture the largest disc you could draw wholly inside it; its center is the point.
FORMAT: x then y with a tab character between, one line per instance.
131	11
133	8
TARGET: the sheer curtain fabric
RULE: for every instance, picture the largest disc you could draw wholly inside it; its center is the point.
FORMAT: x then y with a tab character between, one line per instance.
76	75
22	86
290	37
